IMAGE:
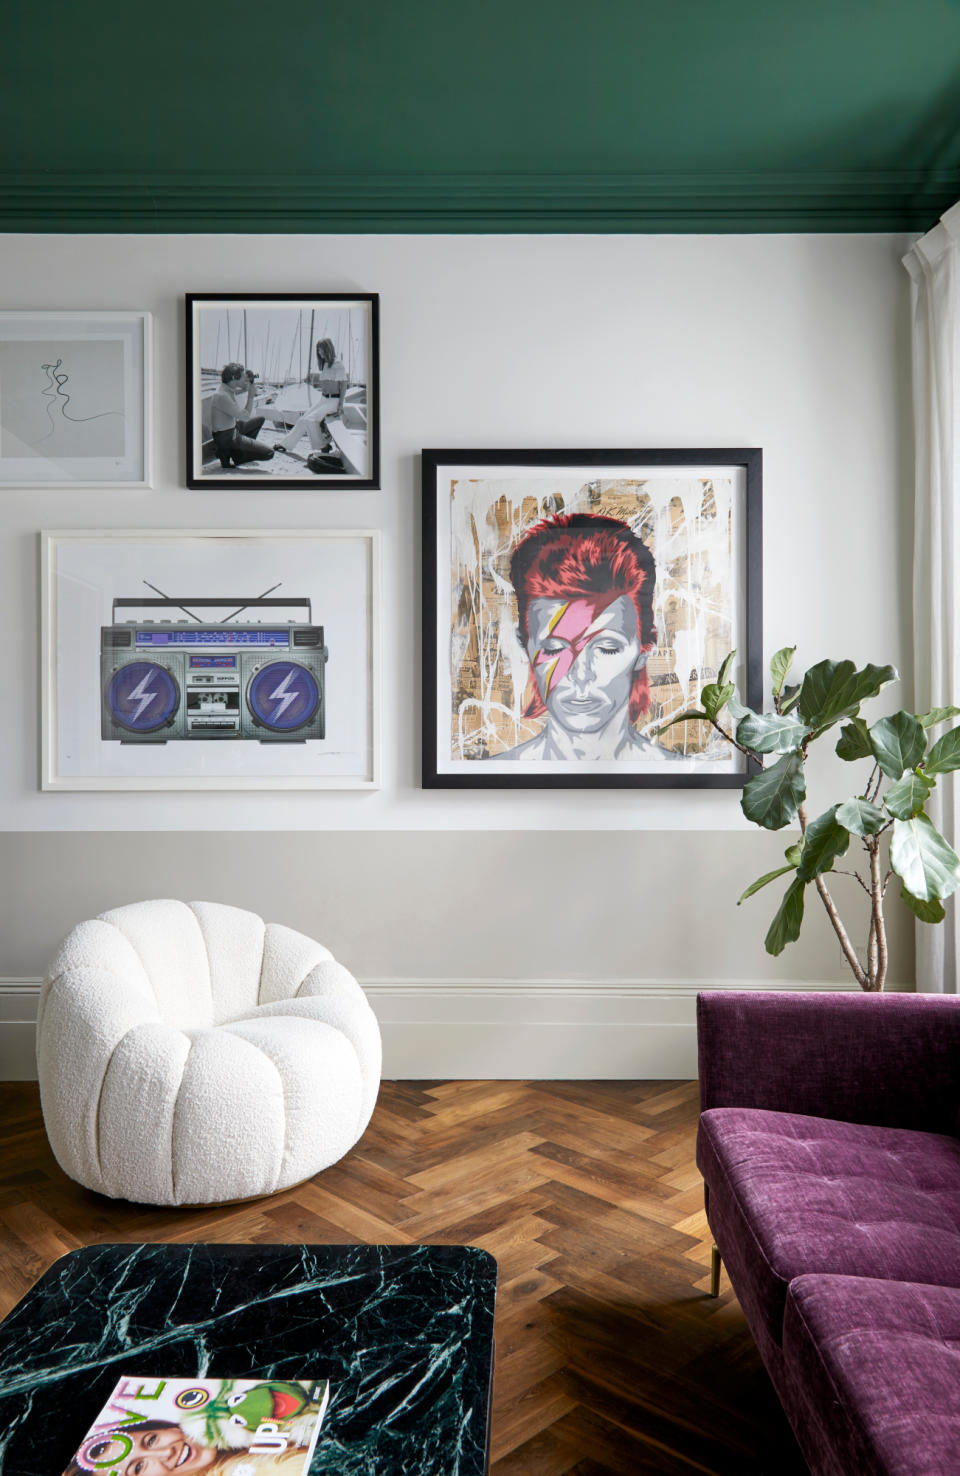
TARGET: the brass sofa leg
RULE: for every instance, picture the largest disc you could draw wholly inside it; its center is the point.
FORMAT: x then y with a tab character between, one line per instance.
715	1264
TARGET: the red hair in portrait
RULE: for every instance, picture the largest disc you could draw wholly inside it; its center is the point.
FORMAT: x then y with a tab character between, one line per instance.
584	556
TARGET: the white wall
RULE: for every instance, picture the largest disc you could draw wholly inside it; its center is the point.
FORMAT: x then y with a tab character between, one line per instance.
792	343
797	344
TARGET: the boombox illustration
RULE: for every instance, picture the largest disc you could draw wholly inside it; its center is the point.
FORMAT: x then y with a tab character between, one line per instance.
168	679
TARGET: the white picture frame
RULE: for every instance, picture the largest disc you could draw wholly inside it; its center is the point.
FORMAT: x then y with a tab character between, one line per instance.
76	400
242	659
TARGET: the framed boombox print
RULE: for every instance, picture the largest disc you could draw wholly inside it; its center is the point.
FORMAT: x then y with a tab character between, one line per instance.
210	660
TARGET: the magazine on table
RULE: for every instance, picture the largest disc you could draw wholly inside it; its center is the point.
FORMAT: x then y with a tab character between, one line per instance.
229	1427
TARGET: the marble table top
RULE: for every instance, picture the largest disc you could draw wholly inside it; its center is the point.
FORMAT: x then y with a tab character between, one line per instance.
403	1333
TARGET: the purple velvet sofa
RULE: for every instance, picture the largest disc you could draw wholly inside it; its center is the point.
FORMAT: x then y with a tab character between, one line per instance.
829	1148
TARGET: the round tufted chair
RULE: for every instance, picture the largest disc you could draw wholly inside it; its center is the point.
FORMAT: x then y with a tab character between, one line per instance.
192	1054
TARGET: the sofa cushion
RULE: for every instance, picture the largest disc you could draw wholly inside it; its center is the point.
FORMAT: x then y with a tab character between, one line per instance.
790	1194
878	1369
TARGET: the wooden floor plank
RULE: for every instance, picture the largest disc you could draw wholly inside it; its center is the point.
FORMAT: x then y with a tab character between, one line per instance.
610	1355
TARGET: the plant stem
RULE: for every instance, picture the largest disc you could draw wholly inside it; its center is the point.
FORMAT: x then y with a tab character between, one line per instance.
872	950
878	926
748	752
839	871
702	717
849	952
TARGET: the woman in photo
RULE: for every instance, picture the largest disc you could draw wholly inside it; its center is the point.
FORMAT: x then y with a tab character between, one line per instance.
332	382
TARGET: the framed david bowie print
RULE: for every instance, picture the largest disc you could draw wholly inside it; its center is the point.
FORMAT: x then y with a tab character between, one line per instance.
283	390
210	659
576	601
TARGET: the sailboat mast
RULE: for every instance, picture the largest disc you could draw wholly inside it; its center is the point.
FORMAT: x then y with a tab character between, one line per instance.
293	349
309	354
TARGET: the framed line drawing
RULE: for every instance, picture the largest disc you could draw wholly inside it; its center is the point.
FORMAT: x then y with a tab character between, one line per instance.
283	390
207	659
574	601
75	399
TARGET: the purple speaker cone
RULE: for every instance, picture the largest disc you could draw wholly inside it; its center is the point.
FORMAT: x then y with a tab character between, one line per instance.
142	696
283	696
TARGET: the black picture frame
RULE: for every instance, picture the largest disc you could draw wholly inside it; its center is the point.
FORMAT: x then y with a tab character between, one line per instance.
335	404
735	476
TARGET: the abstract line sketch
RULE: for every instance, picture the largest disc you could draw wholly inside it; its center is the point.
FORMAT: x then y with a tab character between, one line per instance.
503	672
63	399
58	399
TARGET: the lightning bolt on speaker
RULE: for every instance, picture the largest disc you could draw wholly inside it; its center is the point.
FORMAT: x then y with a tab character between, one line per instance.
140	699
285	698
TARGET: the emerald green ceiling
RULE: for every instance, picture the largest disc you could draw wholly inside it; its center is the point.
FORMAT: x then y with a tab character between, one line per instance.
596	115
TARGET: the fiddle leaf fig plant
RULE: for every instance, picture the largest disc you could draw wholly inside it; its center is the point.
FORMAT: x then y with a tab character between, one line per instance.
886	818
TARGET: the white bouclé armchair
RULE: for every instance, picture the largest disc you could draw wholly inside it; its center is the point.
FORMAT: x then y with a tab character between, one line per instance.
189	1053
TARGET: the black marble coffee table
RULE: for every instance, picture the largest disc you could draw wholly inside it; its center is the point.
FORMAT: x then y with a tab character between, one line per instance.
403	1333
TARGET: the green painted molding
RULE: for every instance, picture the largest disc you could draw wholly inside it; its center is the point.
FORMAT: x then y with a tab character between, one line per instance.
679	203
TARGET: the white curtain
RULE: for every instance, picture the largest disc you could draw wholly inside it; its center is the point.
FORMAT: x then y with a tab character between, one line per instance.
934	267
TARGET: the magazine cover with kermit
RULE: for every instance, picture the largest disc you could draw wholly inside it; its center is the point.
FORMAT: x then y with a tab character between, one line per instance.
237	1427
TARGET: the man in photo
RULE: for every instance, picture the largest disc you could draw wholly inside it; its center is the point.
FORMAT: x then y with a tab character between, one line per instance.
235	428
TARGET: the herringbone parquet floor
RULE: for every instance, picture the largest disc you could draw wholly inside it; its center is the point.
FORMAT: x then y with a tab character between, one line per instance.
610	1356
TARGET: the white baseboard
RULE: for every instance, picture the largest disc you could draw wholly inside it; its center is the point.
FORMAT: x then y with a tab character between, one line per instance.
500	1029
18	1026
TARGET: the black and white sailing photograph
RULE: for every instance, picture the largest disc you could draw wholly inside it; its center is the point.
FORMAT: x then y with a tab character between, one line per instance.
283	389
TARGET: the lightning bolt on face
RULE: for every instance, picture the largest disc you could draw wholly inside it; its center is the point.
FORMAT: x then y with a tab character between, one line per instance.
584	587
177	679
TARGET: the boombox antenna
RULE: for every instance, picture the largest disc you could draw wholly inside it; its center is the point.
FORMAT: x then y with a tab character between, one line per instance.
206	602
168	597
234	613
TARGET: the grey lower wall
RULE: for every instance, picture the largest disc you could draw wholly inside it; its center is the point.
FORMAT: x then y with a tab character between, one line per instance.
518	954
443	906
